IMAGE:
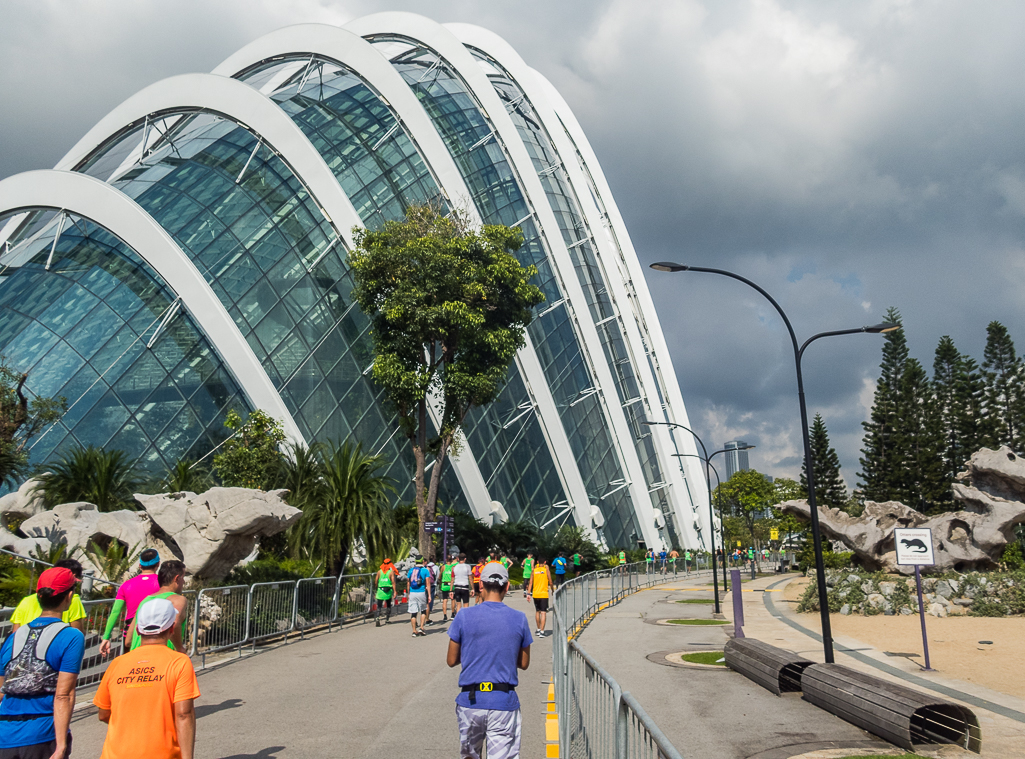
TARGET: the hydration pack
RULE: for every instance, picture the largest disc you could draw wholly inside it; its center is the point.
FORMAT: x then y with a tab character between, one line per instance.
416	578
27	673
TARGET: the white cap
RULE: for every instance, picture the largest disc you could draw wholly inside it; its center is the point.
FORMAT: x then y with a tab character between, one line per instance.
155	616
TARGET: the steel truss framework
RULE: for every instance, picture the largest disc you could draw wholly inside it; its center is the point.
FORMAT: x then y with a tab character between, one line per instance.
187	257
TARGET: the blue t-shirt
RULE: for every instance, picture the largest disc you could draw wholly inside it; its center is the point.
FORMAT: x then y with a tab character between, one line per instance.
64	655
560	565
418	579
490	636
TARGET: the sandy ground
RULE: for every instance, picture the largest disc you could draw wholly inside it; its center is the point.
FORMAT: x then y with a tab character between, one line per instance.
954	642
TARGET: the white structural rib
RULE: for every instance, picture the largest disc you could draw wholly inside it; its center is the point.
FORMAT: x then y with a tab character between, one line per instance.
675	409
245	106
113	210
688	506
446	45
355	53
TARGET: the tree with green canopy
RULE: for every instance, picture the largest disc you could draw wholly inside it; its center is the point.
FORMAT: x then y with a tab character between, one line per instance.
748	496
21	420
830	490
251	457
1004	396
448	306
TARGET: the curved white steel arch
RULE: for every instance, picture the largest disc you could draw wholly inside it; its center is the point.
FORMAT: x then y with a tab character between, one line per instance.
676	410
352	51
443	42
245	106
680	495
355	53
113	210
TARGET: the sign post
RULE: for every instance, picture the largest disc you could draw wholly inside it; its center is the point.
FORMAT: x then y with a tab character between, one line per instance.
446	527
914	548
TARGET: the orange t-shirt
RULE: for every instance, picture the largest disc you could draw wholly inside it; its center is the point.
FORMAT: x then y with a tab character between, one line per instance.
140	689
540	587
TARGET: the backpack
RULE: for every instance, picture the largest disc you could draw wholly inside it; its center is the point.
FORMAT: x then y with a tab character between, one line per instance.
416	582
27	673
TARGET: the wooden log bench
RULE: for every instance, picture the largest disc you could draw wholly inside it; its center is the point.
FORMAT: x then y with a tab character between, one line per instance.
772	668
901	715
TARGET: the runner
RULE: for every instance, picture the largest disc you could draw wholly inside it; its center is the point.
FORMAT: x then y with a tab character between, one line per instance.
435	573
686	561
527	567
476	580
130	595
28	608
462	575
622	558
559	565
673	556
537	588
491	642
505	561
663	557
649	561
40	665
446	589
419	595
576	563
385	580
147	696
172	583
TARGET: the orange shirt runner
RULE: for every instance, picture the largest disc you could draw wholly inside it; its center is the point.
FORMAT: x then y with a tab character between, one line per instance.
140	689
540	587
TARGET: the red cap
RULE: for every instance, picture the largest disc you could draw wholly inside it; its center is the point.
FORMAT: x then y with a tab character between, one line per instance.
57	579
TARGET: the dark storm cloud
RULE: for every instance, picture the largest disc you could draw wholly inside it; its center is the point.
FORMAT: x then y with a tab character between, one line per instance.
846	156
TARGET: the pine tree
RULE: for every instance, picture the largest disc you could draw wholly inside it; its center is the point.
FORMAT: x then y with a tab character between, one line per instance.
971	394
918	481
1004	401
830	490
881	463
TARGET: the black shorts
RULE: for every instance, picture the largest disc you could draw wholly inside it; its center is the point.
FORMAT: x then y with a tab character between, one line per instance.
558	579
461	594
36	751
540	604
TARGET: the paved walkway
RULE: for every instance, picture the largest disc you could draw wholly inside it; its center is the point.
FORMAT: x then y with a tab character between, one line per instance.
357	692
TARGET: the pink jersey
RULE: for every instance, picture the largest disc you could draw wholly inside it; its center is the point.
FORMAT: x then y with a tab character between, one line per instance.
133	591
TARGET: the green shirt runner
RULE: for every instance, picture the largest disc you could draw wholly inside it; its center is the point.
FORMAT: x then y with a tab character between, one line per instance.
137	639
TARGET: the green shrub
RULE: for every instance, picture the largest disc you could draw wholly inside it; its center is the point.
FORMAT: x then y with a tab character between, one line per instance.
270	570
986	607
1013	557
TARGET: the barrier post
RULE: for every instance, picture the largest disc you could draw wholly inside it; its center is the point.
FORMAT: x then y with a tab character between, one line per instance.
738	604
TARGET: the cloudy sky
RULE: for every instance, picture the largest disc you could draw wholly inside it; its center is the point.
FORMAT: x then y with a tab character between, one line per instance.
847	156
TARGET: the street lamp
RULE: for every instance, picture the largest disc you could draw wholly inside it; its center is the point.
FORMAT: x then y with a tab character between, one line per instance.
722	522
820	570
711	513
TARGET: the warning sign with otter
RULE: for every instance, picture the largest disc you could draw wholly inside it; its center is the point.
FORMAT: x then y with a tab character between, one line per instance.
914	546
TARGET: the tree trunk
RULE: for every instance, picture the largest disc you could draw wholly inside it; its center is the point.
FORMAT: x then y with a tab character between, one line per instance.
424	542
432	493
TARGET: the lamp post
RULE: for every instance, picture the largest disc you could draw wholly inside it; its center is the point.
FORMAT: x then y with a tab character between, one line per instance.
711	513
722	522
820	572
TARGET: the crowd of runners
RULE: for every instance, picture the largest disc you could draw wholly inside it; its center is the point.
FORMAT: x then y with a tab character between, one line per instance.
456	584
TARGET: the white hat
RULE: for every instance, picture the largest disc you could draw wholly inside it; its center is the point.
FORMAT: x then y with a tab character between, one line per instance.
155	616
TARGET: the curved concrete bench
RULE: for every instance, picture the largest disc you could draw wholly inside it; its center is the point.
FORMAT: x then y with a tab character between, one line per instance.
899	714
772	668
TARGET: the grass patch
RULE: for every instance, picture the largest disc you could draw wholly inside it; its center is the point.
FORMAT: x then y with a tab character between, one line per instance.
705	657
696	621
696	601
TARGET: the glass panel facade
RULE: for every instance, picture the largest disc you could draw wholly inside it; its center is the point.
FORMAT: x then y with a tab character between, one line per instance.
278	267
102	329
495	190
579	240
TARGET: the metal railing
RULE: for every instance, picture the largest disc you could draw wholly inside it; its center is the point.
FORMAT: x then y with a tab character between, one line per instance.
597	719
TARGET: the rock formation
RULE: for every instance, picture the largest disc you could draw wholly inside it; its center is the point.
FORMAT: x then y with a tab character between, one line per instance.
992	491
211	532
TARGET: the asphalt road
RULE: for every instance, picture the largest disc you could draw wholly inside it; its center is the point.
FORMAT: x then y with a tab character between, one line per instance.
358	692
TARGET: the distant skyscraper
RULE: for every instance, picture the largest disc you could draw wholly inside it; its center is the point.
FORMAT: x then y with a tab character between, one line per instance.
736	459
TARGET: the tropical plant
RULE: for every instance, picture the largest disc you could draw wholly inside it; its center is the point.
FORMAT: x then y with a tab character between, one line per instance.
251	457
449	306
301	473
352	505
21	420
107	478
54	552
115	561
186	475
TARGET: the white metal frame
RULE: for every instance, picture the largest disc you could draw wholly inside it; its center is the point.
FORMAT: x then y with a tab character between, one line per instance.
448	46
113	210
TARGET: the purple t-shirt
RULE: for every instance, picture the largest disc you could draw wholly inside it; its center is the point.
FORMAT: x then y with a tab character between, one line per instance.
490	636
134	591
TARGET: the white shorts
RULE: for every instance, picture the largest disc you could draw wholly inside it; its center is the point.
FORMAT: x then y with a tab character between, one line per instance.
417	603
501	729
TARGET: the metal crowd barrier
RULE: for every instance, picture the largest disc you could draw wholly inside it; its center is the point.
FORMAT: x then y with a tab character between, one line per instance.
597	720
